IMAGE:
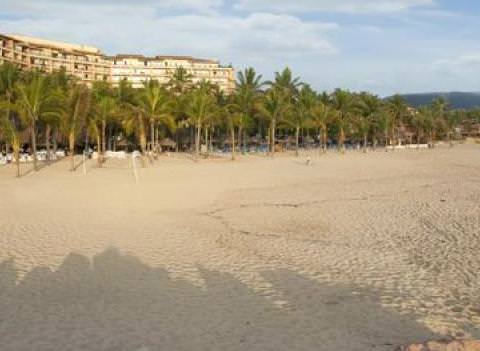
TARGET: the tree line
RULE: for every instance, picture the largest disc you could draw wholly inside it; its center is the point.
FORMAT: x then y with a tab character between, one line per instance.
54	108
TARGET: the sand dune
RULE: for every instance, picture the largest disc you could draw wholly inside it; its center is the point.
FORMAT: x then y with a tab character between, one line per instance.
353	252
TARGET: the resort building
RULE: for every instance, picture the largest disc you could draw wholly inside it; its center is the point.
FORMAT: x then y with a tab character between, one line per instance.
89	64
137	69
84	62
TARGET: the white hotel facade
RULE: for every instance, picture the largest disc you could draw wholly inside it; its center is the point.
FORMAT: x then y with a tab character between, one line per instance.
89	64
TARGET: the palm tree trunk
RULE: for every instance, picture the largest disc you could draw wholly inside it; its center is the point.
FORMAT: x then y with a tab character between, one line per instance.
55	145
197	138
324	139
152	135
244	140
47	141
269	139
142	139
297	141
232	135
365	143
341	140
7	113
104	140
33	133
71	144
273	136
393	139
16	151
99	158
212	132
240	138
206	138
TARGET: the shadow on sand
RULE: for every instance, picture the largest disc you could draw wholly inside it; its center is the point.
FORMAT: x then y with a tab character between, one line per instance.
116	302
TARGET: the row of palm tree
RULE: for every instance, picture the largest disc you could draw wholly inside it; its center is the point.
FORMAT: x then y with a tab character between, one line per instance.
55	108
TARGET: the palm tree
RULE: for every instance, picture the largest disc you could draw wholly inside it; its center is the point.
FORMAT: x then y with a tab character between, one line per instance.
76	106
285	80
9	131
343	102
200	106
303	110
35	100
427	117
440	111
322	114
155	105
131	117
104	110
398	110
181	81
246	98
275	105
418	123
9	75
368	109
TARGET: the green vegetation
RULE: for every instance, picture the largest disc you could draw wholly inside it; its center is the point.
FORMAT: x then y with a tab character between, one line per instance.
54	109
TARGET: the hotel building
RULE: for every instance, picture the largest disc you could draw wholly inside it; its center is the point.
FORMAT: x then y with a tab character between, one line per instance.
89	64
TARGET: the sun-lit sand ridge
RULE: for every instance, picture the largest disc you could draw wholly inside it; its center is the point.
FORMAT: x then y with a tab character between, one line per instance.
353	252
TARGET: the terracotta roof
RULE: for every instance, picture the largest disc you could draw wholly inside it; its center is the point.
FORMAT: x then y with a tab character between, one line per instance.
43	43
161	58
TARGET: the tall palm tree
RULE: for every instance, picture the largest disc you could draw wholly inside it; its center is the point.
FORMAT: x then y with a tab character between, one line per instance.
181	81
368	109
418	123
303	110
275	105
440	107
322	114
104	109
131	116
200	106
9	75
76	106
285	80
155	105
35	100
398	110
343	102
9	130
246	98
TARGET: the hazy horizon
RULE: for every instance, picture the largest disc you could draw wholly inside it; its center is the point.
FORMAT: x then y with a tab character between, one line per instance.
386	47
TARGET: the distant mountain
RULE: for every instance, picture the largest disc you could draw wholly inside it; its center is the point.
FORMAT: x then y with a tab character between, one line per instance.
457	100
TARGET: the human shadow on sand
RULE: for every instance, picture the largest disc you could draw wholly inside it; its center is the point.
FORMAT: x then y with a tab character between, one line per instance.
116	302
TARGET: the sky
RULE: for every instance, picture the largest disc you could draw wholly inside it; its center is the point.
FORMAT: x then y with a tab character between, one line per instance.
381	46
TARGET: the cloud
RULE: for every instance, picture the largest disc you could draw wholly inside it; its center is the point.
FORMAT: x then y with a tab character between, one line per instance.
235	38
348	6
43	6
459	64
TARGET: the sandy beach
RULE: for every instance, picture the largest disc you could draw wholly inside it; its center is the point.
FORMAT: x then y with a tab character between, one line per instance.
354	252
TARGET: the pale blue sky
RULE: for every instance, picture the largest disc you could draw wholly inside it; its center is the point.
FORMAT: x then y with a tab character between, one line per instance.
384	46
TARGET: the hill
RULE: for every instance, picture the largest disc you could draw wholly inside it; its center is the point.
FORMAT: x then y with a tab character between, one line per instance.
457	100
